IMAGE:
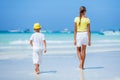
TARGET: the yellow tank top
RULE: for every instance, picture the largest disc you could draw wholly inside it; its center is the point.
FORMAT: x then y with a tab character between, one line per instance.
83	24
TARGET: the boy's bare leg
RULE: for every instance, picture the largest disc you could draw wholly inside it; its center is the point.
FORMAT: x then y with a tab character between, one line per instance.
37	68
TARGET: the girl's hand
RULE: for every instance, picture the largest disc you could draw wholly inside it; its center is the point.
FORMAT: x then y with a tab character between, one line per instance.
89	43
75	42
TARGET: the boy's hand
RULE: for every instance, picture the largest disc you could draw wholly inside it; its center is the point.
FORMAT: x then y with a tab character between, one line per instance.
45	50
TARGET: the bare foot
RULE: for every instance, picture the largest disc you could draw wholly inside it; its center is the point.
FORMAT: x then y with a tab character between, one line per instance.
37	72
35	69
81	67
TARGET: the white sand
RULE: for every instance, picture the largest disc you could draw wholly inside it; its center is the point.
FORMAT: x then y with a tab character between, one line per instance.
63	67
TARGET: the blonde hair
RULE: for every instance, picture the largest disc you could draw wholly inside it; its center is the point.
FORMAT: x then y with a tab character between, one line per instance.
37	30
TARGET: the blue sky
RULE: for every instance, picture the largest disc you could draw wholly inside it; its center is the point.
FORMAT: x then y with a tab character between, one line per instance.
58	14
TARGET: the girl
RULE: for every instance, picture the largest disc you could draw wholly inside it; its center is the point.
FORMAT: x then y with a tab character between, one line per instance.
82	35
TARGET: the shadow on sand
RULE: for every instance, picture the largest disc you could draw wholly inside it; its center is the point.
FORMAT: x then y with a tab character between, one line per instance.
94	68
82	76
43	72
48	72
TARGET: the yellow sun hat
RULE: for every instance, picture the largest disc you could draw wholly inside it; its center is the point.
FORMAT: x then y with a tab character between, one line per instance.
36	26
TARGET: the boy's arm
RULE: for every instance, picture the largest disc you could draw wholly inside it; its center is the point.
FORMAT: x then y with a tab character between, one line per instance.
44	42
31	43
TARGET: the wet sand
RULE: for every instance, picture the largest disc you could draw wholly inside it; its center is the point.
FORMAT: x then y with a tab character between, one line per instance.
99	66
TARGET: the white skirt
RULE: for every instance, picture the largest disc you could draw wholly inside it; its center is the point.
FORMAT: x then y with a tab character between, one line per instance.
82	38
37	56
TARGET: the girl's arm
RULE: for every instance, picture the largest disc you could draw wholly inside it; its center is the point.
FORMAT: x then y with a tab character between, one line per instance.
44	42
75	32
89	35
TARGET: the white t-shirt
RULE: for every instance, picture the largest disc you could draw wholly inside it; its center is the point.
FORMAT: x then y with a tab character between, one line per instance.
37	39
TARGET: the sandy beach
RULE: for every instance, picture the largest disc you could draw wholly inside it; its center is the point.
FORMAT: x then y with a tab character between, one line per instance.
63	67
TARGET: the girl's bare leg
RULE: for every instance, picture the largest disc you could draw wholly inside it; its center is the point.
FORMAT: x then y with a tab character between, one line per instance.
79	56
83	55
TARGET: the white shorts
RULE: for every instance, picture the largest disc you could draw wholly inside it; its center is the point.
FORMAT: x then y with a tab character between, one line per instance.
37	56
82	38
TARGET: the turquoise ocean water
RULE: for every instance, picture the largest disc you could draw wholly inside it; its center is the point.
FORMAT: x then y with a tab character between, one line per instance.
16	45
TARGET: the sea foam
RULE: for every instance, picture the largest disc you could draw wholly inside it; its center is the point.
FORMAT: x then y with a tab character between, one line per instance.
64	42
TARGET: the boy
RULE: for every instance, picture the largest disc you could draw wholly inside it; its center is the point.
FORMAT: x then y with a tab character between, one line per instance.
38	43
